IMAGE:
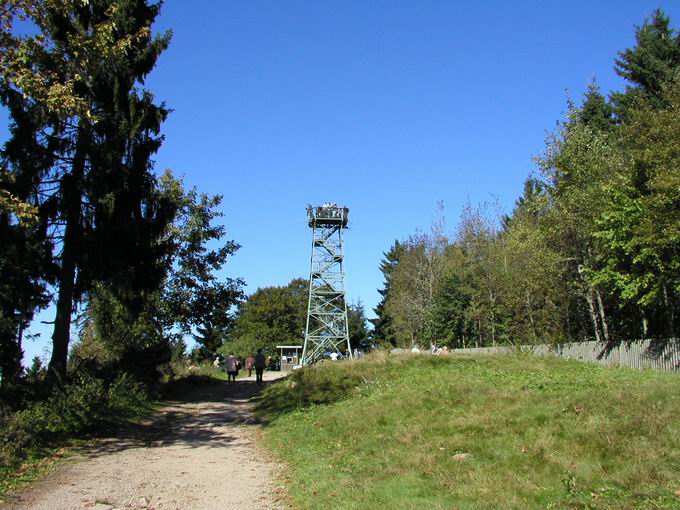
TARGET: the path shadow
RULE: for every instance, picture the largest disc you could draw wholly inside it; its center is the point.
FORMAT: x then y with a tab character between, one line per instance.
192	417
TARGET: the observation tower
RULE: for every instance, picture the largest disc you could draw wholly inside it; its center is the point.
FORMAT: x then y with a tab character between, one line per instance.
326	331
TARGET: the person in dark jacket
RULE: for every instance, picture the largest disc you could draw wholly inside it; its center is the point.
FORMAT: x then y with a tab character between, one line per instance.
260	363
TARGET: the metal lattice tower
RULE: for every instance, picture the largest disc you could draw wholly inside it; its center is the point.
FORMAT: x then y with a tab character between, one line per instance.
326	329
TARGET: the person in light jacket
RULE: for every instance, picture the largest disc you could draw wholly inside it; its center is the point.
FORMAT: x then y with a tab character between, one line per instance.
232	368
250	363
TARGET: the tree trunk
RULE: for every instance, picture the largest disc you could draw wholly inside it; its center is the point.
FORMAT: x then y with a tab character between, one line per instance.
72	198
10	363
531	318
605	329
62	321
20	336
588	292
593	315
670	313
492	299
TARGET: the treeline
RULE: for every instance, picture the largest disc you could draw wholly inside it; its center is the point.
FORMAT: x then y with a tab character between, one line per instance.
592	247
277	315
128	256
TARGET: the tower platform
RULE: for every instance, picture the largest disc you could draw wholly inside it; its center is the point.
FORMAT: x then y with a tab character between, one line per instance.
327	215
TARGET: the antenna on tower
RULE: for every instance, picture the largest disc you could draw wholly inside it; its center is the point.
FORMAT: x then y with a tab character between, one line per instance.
326	330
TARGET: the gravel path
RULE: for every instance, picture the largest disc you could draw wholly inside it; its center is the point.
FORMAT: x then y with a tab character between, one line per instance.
199	452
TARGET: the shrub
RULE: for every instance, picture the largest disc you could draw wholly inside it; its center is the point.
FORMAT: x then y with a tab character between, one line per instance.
85	405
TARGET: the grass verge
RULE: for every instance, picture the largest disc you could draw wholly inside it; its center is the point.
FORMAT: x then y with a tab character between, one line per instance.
512	431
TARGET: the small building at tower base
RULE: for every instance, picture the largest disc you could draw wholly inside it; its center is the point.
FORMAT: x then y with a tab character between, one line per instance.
290	356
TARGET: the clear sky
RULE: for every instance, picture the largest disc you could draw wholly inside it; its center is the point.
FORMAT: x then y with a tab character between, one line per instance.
385	106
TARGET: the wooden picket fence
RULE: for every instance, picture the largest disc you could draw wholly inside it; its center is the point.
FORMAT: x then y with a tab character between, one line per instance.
657	354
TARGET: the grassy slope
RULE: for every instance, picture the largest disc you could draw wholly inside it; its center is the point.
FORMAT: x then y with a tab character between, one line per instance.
539	433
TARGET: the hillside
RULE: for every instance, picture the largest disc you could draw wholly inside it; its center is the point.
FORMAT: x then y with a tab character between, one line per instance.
476	432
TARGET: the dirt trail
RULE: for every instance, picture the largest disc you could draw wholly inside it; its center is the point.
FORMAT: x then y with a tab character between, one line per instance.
199	452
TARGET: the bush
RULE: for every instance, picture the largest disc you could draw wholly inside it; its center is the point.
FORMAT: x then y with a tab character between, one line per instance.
85	405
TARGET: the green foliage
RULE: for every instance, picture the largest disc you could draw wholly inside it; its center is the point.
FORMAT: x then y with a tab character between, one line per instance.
591	249
512	431
532	270
179	350
25	253
83	131
413	281
193	296
596	112
356	322
36	372
448	312
85	405
382	331
143	338
274	316
448	291
271	316
640	265
650	65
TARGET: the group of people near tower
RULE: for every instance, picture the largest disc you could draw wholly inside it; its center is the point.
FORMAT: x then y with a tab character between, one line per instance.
233	365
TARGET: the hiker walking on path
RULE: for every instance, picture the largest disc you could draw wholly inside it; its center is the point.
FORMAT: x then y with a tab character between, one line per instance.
260	363
250	362
232	368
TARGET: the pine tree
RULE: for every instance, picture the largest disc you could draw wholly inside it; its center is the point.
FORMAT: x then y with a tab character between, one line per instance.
649	65
25	265
98	196
381	324
356	321
596	112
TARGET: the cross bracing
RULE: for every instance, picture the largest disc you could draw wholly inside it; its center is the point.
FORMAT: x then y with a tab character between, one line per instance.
326	328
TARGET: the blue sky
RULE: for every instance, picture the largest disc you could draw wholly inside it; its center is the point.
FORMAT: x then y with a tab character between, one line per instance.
385	106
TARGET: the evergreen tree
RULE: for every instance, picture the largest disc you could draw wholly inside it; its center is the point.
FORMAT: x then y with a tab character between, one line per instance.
25	262
449	318
356	323
595	112
649	65
190	300
102	205
382	333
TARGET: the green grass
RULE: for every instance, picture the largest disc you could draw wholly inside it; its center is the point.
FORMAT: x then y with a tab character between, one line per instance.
513	431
